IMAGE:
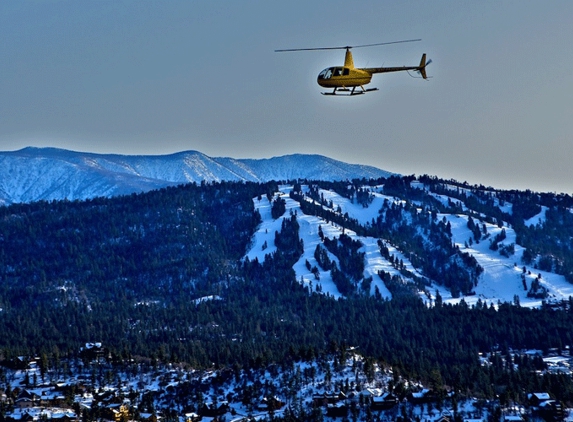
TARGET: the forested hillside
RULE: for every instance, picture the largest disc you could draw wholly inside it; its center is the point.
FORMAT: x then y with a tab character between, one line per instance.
224	274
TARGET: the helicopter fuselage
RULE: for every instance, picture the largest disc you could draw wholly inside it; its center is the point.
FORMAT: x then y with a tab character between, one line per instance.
341	76
347	78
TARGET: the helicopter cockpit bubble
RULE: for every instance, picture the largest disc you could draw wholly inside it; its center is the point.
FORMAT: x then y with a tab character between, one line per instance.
325	74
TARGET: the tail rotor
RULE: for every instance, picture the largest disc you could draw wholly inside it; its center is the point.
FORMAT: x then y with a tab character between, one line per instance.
422	66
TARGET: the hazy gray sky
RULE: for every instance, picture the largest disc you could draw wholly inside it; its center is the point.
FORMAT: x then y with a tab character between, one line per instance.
156	77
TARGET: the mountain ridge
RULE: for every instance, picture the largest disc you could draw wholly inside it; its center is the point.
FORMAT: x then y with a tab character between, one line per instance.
32	173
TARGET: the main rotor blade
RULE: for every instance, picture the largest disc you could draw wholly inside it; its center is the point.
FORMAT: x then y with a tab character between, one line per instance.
346	47
384	43
310	49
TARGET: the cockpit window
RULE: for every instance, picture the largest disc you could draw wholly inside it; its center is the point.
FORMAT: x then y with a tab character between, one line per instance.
325	74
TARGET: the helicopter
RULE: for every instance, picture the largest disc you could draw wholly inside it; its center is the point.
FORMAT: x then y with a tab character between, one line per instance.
346	79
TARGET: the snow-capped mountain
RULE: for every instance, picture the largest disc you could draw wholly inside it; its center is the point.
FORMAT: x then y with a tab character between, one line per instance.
33	174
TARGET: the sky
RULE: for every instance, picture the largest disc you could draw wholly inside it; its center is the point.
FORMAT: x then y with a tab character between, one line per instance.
158	77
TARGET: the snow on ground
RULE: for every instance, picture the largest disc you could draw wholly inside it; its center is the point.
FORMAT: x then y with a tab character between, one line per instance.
264	240
363	215
446	200
375	262
501	280
206	298
537	219
506	207
308	232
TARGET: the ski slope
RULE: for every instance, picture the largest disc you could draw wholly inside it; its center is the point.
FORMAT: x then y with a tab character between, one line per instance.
500	282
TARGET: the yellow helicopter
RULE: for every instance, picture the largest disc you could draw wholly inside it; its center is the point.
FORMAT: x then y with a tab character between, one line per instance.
345	79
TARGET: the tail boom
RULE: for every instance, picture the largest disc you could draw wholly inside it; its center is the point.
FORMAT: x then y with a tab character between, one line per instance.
420	68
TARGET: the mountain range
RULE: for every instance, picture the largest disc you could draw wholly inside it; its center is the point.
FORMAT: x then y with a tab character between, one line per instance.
238	271
33	174
449	251
423	276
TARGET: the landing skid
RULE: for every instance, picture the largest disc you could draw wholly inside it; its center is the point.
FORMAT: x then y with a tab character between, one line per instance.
349	92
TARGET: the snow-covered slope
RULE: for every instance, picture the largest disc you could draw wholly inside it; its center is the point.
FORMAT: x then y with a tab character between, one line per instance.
33	174
503	278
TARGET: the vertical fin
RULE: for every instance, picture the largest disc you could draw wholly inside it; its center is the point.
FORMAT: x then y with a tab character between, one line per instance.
422	67
348	62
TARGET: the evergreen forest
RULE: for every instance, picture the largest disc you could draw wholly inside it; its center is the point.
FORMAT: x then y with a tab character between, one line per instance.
130	271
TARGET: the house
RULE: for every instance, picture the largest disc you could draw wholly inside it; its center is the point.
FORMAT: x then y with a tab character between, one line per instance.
535	399
27	399
319	400
58	415
212	409
115	412
423	396
552	411
270	404
192	417
512	418
93	351
368	393
24	403
384	402
148	417
20	362
19	417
